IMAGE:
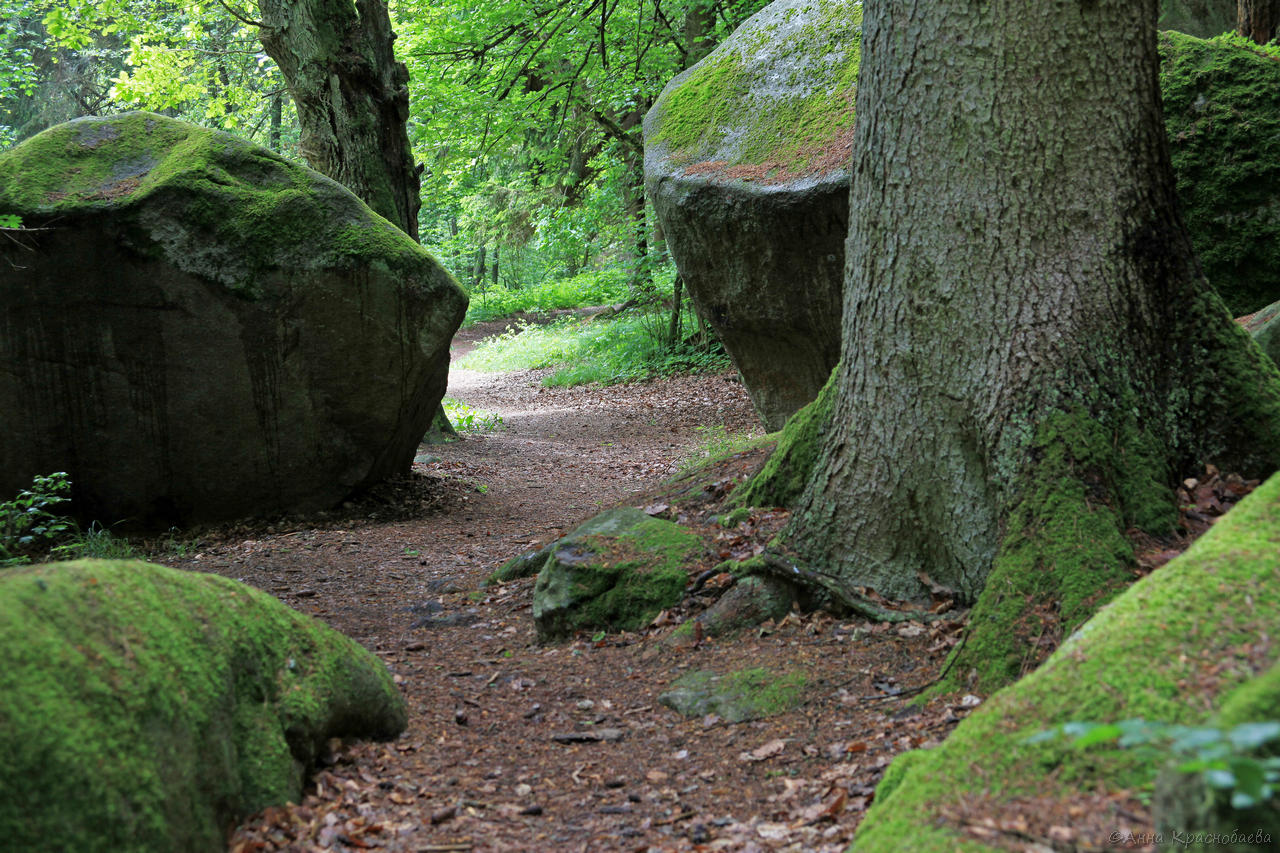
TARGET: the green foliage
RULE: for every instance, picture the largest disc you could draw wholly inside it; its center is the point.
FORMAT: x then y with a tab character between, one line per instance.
625	348
95	542
466	418
1227	759
30	524
29	521
598	287
10	221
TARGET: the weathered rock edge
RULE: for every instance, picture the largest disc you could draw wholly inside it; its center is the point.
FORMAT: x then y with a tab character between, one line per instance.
198	329
148	709
1140	656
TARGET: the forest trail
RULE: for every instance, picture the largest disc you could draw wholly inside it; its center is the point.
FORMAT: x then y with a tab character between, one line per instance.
502	750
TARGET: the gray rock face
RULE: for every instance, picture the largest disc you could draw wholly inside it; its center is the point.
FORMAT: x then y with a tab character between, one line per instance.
201	329
747	164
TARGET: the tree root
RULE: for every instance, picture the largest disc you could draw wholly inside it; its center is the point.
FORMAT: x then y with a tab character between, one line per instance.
773	564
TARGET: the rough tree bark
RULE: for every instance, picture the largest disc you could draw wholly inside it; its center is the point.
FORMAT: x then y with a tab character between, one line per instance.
1031	356
352	97
1258	19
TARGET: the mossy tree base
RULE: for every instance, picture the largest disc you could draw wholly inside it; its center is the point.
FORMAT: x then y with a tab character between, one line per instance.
1145	655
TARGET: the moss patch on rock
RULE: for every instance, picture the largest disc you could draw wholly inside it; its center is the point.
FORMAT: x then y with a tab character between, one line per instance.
144	708
1222	114
747	694
615	572
778	93
1171	648
234	209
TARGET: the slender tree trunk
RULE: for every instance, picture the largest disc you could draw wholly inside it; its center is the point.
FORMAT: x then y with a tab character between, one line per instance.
277	121
352	97
496	254
477	272
699	32
1258	19
634	201
1030	353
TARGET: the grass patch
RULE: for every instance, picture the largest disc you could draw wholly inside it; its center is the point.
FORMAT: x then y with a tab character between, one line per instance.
598	287
605	351
467	418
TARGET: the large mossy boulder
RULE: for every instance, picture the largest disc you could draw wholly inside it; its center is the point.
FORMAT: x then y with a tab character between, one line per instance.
615	572
196	328
1222	113
747	164
1180	646
147	709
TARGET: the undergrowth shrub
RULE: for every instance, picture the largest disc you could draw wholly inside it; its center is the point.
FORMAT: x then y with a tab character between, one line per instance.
598	287
607	351
30	524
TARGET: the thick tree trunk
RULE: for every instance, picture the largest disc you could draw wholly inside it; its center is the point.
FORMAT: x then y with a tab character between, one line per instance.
352	97
1030	354
1258	19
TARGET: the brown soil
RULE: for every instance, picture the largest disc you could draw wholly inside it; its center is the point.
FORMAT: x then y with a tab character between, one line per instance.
485	764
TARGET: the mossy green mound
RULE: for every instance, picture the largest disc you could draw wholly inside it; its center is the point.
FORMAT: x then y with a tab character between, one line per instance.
1222	114
747	694
1144	655
234	209
144	708
615	572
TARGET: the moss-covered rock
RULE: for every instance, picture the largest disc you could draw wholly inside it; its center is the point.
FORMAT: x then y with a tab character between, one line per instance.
1147	654
1222	114
144	708
747	694
615	572
747	164
201	329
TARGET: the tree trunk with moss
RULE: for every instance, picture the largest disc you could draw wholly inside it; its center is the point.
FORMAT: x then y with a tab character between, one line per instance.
352	97
1031	357
1258	19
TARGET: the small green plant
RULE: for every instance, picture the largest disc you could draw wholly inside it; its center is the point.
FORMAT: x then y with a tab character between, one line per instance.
28	521
95	541
10	221
1228	759
470	419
